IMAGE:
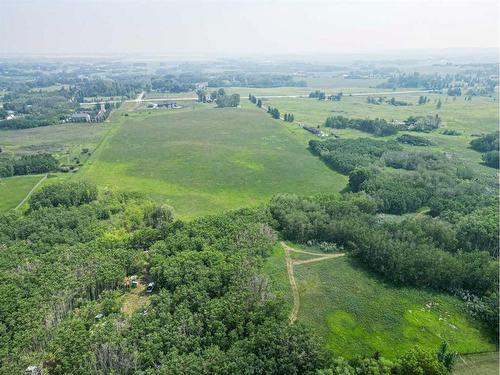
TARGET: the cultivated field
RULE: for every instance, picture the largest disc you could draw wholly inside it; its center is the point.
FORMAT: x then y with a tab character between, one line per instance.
202	160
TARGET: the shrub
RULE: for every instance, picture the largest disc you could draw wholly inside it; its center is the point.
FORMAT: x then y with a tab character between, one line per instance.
414	140
422	123
491	158
377	126
485	143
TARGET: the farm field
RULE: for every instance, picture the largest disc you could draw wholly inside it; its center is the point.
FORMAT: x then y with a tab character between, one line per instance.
64	141
480	115
203	160
355	312
14	189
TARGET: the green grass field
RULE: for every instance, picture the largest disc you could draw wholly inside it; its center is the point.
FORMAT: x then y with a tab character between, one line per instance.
64	141
203	160
14	189
477	364
356	313
275	268
478	115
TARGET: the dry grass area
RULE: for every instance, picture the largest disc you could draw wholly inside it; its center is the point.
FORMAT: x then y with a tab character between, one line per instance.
134	299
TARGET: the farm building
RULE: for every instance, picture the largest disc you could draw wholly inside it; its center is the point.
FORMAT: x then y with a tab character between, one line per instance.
80	117
167	105
88	116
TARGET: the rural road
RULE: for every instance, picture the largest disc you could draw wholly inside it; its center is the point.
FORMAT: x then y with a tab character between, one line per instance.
349	94
290	263
140	98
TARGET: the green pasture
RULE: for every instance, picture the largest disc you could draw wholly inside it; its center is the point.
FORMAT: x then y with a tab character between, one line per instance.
355	312
14	189
275	269
65	141
202	160
480	115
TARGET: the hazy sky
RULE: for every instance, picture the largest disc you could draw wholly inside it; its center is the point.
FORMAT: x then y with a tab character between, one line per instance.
226	28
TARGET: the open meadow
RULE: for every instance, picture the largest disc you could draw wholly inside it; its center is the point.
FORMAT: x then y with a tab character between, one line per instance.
249	187
203	160
65	141
357	313
14	189
479	115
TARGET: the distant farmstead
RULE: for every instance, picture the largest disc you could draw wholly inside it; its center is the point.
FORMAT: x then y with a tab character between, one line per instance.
88	116
201	85
80	117
168	105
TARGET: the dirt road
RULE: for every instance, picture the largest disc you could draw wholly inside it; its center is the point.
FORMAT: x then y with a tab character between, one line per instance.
290	263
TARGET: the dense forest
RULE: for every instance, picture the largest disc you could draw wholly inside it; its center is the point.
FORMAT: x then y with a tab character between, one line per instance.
406	180
67	258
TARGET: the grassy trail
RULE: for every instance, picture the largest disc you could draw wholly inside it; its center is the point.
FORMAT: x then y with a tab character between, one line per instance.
31	191
295	291
289	267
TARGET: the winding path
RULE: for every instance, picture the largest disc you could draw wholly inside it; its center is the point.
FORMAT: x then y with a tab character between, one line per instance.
290	263
31	191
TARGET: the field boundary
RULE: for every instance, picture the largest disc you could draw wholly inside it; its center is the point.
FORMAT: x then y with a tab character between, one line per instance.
114	125
290	263
31	191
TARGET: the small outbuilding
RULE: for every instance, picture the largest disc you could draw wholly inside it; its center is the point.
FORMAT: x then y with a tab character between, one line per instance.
80	117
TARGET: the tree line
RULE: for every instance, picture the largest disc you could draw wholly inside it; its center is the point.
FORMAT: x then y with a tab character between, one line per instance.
220	97
381	127
28	164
